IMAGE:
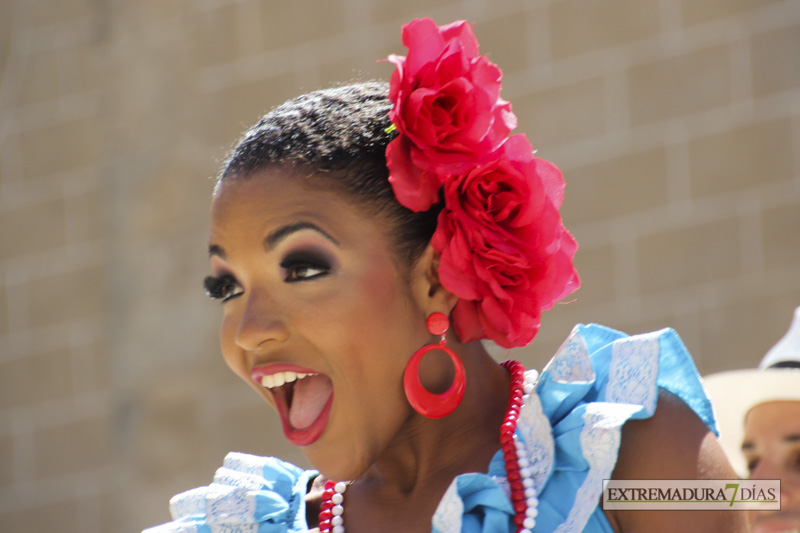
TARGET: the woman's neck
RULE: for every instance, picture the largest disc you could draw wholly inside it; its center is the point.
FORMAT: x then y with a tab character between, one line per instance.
427	453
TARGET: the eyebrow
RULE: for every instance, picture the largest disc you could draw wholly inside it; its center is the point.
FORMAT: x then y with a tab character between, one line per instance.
789	439
274	237
213	250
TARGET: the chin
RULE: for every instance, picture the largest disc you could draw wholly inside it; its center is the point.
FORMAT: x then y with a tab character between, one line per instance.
780	522
333	462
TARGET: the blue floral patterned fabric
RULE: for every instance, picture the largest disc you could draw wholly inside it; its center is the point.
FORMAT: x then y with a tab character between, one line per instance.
250	494
570	425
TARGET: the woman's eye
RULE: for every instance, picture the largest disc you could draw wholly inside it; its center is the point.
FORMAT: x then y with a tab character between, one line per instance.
301	268
221	288
752	464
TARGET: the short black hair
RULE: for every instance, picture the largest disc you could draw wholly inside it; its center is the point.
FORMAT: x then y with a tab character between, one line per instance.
339	136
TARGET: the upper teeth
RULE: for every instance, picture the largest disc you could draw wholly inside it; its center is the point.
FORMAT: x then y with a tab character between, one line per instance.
278	379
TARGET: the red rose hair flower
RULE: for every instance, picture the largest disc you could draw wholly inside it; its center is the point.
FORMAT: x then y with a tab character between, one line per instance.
504	251
447	108
503	247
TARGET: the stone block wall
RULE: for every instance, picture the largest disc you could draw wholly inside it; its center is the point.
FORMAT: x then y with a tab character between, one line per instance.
676	123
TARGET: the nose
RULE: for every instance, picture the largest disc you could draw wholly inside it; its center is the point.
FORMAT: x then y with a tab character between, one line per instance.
770	468
260	324
765	469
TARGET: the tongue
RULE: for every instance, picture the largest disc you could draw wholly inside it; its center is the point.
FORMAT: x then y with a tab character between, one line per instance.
308	400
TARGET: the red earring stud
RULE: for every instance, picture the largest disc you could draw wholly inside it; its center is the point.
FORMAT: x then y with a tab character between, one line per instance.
424	402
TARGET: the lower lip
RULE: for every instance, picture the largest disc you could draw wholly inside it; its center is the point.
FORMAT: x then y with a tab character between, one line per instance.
309	435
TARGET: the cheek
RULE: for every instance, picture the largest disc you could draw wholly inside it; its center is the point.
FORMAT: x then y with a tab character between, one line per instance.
373	320
386	312
231	353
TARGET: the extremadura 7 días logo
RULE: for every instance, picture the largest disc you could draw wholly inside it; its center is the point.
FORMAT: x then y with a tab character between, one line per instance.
692	494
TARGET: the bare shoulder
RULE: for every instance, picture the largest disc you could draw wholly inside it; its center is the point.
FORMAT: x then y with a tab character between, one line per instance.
673	444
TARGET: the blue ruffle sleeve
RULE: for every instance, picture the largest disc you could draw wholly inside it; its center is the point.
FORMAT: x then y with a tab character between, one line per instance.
599	379
250	494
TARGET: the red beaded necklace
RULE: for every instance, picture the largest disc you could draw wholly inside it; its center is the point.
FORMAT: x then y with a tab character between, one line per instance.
518	473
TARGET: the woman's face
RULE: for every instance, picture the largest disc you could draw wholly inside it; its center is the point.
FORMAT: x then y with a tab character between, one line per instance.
314	297
772	449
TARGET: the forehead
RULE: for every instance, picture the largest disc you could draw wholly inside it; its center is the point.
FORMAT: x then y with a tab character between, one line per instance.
772	420
250	207
266	190
272	194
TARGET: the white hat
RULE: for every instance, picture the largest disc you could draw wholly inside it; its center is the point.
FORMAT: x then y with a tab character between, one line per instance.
735	392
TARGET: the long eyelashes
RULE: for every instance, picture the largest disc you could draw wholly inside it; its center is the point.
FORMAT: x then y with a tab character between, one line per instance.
221	288
303	266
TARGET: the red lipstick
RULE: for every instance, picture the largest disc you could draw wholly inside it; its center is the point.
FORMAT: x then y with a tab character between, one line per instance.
303	398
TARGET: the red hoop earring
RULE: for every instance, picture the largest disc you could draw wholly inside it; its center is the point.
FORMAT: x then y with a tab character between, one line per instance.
427	403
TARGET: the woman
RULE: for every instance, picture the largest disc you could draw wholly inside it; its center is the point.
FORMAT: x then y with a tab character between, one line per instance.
358	229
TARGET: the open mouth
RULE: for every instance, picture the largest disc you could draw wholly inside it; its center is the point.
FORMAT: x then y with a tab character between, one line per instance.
303	398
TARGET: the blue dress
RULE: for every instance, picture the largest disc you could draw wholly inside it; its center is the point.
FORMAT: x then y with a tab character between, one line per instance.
598	380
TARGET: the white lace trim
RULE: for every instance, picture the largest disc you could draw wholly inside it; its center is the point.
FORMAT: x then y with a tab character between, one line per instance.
534	428
600	440
234	528
190	527
173	527
189	503
245	463
447	518
218	503
226	476
571	362
230	505
633	371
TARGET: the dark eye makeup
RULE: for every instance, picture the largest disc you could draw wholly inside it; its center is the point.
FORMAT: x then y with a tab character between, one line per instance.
222	287
297	266
303	266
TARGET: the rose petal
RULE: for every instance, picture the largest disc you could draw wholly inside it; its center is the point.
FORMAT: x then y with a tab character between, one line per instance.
424	42
466	322
413	187
461	31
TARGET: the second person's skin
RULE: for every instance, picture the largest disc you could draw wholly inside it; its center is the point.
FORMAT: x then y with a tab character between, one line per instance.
771	447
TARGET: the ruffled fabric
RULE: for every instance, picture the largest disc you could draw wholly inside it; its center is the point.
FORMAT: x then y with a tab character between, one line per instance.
598	380
250	494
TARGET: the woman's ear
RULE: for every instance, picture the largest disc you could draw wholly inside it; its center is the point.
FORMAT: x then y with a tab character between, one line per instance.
426	287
